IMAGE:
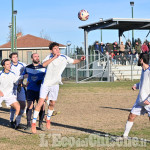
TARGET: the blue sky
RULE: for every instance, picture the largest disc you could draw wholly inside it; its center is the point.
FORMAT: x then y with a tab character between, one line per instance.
58	18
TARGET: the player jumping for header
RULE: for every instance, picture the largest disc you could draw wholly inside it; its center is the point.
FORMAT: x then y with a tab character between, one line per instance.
55	63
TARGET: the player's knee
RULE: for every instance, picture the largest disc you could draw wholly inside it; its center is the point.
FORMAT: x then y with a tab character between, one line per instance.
40	102
52	103
131	117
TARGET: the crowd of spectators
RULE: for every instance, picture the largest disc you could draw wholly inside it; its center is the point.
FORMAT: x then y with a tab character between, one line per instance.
122	53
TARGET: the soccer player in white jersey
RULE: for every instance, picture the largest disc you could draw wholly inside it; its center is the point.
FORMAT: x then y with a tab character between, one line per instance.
17	67
142	104
55	64
7	81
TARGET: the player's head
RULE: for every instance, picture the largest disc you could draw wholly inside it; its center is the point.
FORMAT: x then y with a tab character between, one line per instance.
6	64
143	58
54	48
35	58
14	57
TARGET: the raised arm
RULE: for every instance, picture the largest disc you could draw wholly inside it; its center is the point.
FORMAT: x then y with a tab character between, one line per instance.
47	62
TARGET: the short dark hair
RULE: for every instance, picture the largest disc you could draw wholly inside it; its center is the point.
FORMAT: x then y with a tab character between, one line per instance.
3	61
14	53
51	45
145	57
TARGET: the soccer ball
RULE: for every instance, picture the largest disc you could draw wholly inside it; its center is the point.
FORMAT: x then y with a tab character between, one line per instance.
83	15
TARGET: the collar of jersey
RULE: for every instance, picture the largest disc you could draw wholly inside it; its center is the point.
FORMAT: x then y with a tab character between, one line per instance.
15	65
5	72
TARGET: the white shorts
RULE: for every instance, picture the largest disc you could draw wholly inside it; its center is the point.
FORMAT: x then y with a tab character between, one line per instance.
138	109
20	95
8	100
50	91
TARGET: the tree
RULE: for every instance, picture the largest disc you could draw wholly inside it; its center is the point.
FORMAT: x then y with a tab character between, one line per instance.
79	51
44	35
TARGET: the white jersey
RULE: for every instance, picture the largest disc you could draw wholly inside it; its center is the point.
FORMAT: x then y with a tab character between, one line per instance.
144	86
55	69
18	69
7	81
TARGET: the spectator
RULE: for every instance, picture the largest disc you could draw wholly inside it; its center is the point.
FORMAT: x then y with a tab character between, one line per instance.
107	48
112	58
128	46
138	47
115	48
123	59
148	45
102	47
117	58
97	47
122	48
145	48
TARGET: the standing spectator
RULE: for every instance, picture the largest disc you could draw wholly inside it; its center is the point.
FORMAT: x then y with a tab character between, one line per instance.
148	45
102	47
115	48
107	48
97	47
138	47
145	48
129	46
122	48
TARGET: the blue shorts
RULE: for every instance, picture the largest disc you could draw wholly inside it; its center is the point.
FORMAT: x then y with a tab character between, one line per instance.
32	95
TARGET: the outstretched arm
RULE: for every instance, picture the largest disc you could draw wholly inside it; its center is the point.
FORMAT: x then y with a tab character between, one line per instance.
76	61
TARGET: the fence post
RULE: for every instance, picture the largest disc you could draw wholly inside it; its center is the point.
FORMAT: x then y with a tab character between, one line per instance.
76	71
108	66
131	68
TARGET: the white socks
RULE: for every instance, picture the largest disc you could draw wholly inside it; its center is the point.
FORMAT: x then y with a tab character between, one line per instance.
49	114
35	115
127	128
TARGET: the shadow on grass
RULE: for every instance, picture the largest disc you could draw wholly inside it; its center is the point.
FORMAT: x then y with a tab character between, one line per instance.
6	123
5	110
86	130
124	109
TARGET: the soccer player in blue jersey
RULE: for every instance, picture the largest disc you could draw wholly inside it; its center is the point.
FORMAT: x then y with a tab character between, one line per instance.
17	67
55	63
36	73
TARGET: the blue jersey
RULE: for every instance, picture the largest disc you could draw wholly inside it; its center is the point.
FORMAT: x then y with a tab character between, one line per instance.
35	76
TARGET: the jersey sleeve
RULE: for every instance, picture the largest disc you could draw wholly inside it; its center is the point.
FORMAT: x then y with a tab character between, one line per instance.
47	58
17	78
24	72
69	60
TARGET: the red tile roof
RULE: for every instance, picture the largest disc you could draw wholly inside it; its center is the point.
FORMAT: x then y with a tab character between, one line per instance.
30	41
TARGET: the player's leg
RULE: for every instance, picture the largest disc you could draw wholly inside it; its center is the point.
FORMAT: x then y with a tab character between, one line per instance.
52	97
12	110
16	106
36	113
41	117
41	113
29	114
129	124
49	113
30	101
43	93
21	97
